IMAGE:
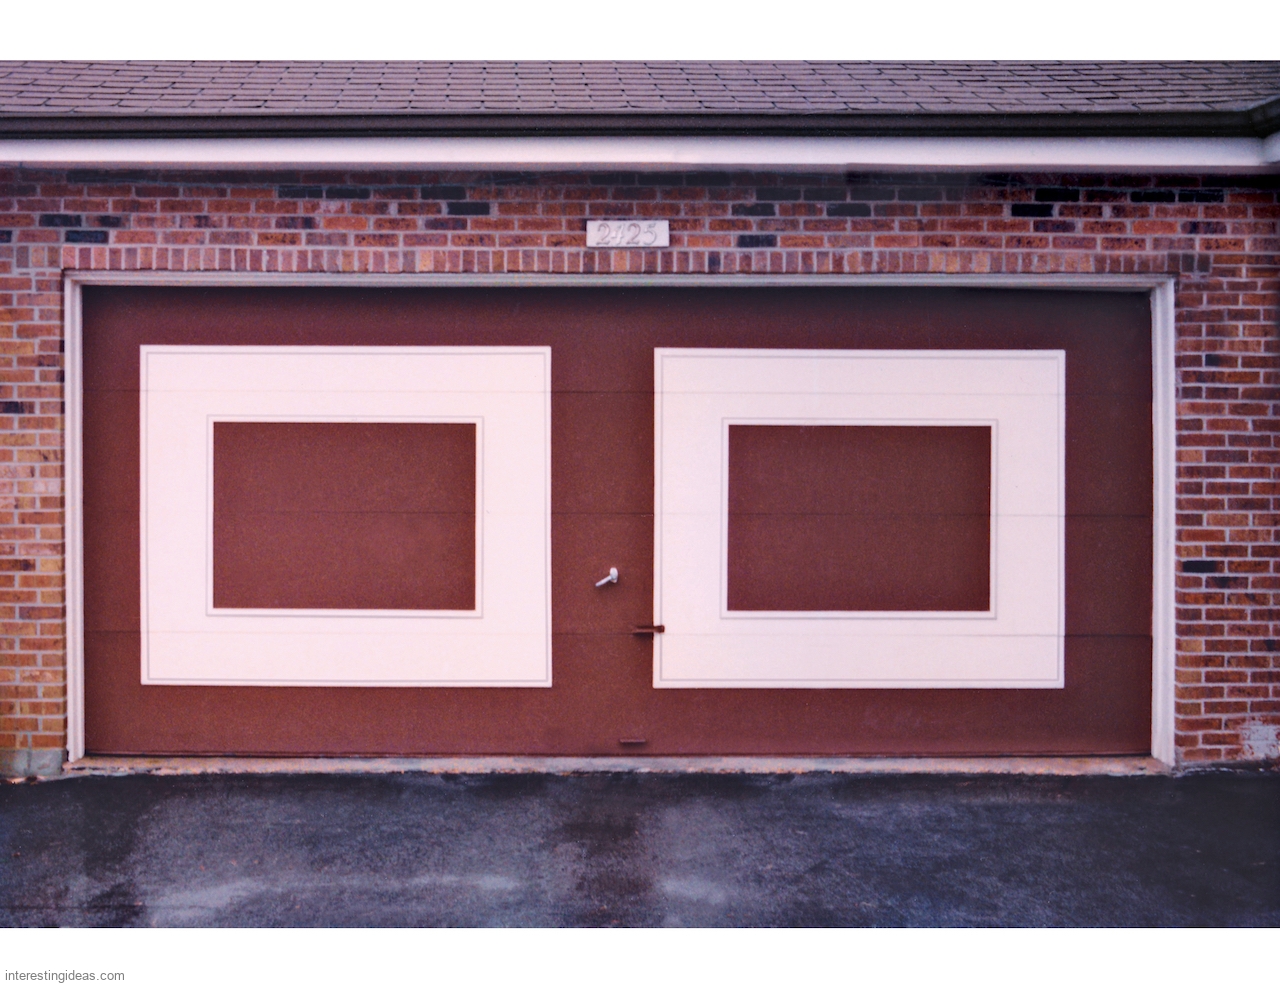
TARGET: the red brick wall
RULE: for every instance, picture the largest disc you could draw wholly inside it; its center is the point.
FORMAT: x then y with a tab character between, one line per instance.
1221	237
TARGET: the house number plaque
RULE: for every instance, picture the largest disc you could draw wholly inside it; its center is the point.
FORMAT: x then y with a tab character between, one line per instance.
629	233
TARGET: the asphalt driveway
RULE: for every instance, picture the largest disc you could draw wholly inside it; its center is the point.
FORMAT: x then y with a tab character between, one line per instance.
641	850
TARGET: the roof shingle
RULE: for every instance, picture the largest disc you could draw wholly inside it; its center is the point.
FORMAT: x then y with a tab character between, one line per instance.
146	90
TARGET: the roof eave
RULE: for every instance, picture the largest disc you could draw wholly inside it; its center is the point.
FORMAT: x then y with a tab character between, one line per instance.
1260	121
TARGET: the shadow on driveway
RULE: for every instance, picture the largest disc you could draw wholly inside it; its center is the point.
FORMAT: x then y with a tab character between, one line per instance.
641	850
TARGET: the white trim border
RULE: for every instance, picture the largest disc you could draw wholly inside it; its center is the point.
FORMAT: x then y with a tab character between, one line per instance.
1164	383
73	510
1164	428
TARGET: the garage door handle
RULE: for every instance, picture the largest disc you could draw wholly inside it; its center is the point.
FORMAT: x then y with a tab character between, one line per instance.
648	629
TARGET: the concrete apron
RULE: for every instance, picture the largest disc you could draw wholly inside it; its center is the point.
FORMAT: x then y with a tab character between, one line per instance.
109	765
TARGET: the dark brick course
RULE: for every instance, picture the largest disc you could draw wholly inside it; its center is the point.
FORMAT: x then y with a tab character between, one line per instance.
444	192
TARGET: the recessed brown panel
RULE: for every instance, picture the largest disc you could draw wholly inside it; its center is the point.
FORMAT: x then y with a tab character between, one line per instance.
859	518
602	344
344	515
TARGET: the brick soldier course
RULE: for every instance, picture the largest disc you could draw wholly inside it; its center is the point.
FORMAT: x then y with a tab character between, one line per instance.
1219	236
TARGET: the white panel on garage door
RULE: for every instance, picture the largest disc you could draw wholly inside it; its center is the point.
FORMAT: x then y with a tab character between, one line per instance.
504	640
1014	642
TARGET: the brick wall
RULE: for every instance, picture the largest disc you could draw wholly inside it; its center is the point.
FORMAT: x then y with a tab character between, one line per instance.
1221	237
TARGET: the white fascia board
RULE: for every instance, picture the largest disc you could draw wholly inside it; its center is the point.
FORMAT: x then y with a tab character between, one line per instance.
1271	149
1138	154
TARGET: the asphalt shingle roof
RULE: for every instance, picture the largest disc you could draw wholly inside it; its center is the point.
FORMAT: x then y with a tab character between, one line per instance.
755	94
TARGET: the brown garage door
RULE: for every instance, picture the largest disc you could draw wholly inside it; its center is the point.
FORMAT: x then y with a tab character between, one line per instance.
602	501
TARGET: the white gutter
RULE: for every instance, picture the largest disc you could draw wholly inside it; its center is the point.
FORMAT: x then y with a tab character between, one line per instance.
1136	154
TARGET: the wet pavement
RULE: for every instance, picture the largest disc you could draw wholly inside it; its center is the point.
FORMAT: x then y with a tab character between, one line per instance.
641	850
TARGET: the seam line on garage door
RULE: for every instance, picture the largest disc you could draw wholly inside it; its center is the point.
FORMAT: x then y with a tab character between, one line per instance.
1160	288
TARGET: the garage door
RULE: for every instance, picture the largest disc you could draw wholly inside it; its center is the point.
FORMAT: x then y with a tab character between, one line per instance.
842	521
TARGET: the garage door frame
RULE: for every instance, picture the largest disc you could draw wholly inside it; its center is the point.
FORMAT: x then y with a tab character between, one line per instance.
1164	390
